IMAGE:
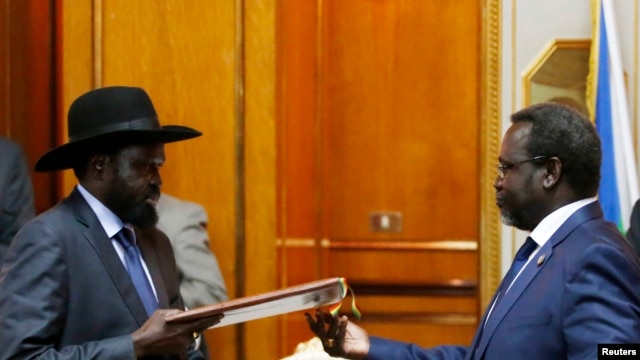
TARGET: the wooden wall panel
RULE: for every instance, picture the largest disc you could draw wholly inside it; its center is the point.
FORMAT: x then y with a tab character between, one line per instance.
425	334
435	304
4	66
399	110
413	267
392	126
27	106
298	171
76	75
260	268
400	117
298	162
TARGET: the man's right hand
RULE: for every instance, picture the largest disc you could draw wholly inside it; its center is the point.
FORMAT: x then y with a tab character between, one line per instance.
339	336
157	337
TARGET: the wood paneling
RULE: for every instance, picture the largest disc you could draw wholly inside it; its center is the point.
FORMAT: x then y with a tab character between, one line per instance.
75	52
260	266
298	166
27	67
299	173
426	334
400	108
402	267
378	105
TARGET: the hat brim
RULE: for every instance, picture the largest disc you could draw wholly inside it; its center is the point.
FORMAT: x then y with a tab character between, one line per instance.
66	156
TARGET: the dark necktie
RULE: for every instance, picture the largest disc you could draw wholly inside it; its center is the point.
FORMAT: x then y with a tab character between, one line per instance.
136	271
518	262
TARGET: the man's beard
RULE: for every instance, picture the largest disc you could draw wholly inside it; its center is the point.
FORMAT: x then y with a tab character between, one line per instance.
139	212
142	215
508	220
519	220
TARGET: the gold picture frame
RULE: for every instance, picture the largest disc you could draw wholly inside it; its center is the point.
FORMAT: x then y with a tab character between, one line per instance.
559	74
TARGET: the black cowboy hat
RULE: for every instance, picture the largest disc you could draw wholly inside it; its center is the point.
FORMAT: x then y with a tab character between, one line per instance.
118	115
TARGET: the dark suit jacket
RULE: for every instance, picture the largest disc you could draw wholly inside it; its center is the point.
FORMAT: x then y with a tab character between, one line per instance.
582	288
65	294
16	193
633	234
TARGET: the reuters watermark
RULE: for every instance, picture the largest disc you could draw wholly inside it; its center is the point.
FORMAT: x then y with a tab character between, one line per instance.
618	351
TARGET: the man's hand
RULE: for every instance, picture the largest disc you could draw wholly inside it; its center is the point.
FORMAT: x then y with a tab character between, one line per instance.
157	337
339	336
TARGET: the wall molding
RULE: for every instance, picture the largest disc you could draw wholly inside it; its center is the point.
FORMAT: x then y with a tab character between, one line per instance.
490	240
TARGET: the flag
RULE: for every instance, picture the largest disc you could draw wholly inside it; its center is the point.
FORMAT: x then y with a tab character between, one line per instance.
619	183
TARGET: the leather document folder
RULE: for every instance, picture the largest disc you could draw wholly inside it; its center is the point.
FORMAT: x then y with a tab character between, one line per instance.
301	297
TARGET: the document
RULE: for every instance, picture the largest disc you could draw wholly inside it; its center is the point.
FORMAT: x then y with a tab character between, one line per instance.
301	297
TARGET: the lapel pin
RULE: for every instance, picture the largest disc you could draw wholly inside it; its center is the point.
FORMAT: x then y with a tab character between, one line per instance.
541	260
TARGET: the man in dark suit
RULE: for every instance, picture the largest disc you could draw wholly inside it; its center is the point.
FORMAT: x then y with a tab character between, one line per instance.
579	284
93	278
16	193
633	233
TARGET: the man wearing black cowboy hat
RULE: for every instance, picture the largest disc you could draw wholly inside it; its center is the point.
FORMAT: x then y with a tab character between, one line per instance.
92	278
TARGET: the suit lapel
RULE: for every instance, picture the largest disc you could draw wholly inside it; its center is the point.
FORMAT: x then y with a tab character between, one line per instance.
509	299
98	239
530	271
480	331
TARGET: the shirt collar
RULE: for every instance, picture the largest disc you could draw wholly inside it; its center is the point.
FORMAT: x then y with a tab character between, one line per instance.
110	222
552	222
